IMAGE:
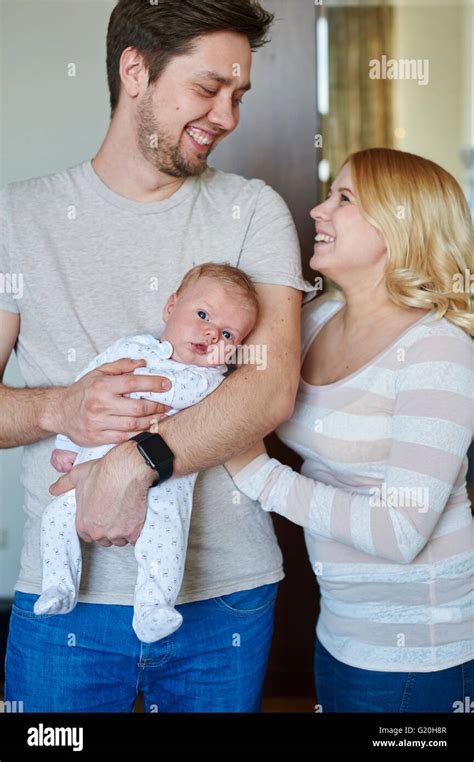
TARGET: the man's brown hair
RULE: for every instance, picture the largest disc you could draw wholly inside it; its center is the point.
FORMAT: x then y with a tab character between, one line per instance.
163	29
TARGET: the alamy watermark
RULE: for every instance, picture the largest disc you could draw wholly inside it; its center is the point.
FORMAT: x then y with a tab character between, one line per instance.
463	283
12	283
11	707
244	354
400	497
466	706
42	735
417	69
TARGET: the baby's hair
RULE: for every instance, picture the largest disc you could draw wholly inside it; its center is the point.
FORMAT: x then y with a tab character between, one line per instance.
224	273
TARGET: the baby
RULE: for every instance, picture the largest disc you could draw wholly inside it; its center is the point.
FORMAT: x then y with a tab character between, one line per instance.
212	312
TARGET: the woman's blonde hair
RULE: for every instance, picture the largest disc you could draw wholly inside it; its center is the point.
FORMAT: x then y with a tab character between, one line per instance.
422	213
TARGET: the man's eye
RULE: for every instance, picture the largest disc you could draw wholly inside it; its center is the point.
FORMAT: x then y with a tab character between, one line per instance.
227	335
203	315
210	93
238	101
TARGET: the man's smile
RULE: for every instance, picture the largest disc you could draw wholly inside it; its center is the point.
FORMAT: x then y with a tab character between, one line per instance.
202	140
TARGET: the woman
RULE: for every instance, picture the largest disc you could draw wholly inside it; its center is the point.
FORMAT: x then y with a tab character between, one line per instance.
383	421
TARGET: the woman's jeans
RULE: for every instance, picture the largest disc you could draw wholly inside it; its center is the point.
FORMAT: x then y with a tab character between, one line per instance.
90	660
341	688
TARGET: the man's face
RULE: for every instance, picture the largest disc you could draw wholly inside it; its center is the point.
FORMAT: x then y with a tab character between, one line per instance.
194	104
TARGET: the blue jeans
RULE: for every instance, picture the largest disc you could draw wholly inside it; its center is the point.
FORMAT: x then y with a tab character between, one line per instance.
90	660
341	688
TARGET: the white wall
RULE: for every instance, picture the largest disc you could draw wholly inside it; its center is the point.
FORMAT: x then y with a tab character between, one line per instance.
434	116
468	70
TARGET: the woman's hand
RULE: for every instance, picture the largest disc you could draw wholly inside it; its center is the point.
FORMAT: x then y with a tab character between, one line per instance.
238	462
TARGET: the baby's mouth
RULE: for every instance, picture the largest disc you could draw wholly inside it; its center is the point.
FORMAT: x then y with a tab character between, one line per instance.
200	349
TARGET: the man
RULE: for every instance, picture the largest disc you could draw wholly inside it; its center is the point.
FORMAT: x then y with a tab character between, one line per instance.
99	247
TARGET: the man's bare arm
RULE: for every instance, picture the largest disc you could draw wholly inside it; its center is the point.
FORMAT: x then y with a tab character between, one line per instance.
251	403
20	409
90	412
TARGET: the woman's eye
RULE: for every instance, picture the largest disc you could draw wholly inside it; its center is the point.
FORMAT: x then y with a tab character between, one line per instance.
344	197
227	335
202	315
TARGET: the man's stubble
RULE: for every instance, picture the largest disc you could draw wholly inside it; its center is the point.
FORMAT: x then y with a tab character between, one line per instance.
158	148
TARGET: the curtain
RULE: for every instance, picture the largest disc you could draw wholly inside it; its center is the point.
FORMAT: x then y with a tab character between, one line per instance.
360	109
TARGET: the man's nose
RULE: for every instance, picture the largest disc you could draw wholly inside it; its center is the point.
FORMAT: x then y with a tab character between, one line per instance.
224	115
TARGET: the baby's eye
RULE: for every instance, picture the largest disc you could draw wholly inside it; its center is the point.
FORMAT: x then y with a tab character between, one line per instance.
203	315
227	335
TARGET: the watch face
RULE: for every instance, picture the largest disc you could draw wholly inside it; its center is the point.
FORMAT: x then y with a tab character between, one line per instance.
158	455
146	457
149	461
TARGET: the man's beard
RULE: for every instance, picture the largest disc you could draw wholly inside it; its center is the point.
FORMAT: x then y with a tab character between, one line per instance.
158	148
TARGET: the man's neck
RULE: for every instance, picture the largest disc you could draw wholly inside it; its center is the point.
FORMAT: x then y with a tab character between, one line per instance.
121	166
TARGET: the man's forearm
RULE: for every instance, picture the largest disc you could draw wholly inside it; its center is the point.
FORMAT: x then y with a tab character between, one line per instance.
25	415
243	410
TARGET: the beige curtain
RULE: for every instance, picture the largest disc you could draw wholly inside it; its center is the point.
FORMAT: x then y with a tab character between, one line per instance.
360	108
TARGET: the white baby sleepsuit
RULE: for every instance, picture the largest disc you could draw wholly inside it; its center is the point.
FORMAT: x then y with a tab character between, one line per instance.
161	548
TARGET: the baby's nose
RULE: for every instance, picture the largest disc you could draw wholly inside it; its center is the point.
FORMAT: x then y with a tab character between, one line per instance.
213	334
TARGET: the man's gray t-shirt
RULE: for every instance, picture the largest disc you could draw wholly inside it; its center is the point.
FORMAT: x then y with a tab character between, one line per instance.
84	266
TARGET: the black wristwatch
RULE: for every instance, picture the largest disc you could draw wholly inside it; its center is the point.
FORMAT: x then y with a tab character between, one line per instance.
156	453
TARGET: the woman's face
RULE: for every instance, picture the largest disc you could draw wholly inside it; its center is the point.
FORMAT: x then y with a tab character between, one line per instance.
353	246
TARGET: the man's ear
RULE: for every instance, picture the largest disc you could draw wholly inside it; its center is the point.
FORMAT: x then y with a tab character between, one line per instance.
133	72
169	307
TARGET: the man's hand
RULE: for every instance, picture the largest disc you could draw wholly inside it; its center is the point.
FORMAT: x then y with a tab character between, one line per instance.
94	411
111	495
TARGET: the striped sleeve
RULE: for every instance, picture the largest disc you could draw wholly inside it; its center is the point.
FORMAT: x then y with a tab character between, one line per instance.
431	433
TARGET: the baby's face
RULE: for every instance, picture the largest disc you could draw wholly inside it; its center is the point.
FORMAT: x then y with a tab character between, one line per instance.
207	316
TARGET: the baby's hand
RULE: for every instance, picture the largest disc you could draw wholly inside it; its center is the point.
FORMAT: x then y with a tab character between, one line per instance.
63	460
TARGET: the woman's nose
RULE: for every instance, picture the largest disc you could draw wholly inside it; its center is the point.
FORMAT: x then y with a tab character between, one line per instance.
320	211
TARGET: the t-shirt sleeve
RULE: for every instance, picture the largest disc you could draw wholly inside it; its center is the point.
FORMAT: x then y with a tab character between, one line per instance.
10	281
271	251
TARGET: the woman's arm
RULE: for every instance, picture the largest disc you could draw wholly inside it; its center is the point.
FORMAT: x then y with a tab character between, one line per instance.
238	462
432	430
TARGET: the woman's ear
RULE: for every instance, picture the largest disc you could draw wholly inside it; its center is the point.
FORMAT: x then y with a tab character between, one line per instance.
169	307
